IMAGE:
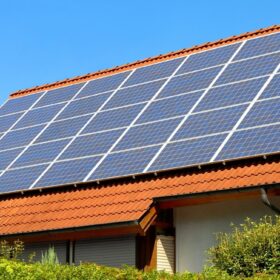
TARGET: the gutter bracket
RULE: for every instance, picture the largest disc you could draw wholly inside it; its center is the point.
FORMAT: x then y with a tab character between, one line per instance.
267	202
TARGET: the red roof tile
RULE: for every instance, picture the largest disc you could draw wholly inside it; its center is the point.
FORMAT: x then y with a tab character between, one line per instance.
151	60
124	202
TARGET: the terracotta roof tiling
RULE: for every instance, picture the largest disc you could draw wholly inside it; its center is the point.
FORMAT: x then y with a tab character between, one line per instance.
124	202
148	61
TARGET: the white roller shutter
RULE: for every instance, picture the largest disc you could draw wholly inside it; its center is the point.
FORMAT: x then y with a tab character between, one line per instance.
107	251
165	253
40	247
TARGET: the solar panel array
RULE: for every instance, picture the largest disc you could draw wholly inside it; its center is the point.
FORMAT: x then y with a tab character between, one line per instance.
210	106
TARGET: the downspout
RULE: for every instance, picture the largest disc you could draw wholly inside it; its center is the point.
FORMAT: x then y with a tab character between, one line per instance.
266	201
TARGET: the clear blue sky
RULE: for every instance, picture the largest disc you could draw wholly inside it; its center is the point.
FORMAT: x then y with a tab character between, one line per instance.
45	41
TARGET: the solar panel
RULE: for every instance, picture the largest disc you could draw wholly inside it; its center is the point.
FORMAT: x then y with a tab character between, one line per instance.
83	106
263	112
208	58
40	153
190	82
39	116
169	107
209	106
158	132
153	72
210	122
93	144
124	163
103	84
257	141
134	94
59	95
247	69
19	138
272	89
19	104
7	121
189	152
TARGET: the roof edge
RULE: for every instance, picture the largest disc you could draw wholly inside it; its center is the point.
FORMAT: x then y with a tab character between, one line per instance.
147	61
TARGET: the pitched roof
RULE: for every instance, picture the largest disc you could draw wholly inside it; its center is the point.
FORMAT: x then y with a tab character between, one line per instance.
147	61
123	202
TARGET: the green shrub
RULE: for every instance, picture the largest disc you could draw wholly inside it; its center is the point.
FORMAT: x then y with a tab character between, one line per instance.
11	251
251	248
49	257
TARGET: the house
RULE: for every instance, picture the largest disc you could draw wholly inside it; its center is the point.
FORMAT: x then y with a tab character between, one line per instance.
142	164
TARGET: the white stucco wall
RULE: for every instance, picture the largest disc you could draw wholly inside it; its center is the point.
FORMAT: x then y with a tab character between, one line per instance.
196	225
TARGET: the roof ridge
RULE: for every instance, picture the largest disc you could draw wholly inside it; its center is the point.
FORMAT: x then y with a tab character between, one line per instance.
147	61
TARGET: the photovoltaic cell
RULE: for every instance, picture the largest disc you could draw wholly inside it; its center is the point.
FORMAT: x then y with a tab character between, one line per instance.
154	72
263	112
252	142
7	121
83	106
273	89
230	94
19	104
41	153
169	107
113	119
103	84
190	82
208	58
67	172
59	95
260	46
189	152
16	179
249	68
63	129
153	133
124	163
6	157
38	116
93	144
210	122
134	94
19	138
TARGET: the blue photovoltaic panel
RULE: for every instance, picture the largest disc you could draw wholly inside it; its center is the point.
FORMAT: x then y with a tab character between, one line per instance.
273	89
83	106
59	95
19	104
124	163
252	142
249	68
8	121
147	134
208	58
210	122
7	157
63	129
67	172
41	153
134	94
190	152
260	46
93	144
190	82
16	179
38	116
230	94
154	72
263	112
103	84
113	119
19	138
169	107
